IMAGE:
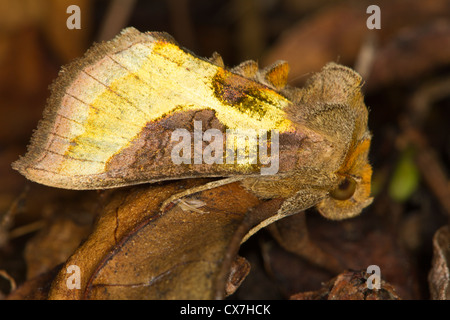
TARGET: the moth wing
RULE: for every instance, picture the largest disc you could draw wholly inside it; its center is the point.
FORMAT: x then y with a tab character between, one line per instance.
111	114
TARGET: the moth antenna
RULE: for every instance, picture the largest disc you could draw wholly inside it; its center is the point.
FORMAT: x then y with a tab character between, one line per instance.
217	60
276	75
247	69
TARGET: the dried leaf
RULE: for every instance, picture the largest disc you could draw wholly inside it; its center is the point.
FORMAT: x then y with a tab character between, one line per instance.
439	276
138	252
339	30
36	288
356	244
239	270
350	285
292	234
53	245
411	54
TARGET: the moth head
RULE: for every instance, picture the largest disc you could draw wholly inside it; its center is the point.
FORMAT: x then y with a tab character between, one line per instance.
351	193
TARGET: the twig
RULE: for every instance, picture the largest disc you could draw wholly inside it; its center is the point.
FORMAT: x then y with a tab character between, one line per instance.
12	282
366	55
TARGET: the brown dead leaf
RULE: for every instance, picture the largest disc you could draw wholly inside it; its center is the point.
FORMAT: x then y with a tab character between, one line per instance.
439	276
36	288
355	243
292	234
410	54
53	245
350	285
338	31
137	252
239	270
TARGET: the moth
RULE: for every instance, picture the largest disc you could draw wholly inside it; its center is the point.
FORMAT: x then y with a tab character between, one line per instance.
111	118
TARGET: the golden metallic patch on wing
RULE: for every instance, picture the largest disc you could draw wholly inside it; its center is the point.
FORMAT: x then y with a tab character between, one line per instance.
173	80
251	98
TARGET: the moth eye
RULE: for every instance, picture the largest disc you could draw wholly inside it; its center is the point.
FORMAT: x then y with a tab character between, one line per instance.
345	190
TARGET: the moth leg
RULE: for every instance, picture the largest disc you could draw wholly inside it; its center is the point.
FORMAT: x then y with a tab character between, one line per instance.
302	200
292	234
210	185
261	225
192	205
